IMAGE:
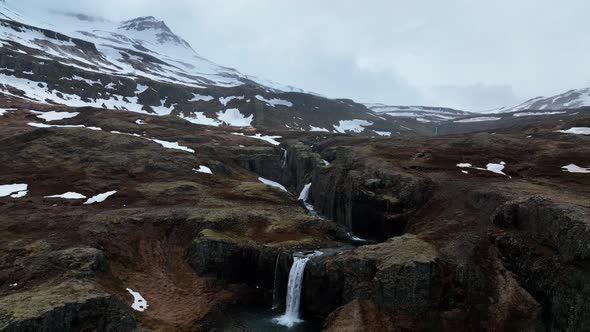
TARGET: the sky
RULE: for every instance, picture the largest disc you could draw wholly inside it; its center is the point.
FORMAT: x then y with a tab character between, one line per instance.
474	55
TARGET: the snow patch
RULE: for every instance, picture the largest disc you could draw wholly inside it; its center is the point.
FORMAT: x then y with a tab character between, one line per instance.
139	303
225	100
54	116
356	126
172	145
270	139
201	119
275	101
383	133
5	110
198	97
491	167
100	197
233	117
68	195
571	168
576	131
479	119
13	189
272	184
318	129
536	113
203	169
141	89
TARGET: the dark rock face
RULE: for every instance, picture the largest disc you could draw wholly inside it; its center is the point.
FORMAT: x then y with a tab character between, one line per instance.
546	246
96	314
404	273
372	203
235	262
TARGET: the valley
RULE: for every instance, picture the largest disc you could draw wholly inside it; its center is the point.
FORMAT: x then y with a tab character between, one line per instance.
146	188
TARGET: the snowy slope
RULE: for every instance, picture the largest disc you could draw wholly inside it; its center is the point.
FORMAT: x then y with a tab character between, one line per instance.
568	100
140	47
420	113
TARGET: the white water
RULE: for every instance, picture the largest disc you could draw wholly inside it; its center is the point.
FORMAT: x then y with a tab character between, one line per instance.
291	316
304	196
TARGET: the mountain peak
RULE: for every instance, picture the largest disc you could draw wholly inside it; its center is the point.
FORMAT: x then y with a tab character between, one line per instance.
149	24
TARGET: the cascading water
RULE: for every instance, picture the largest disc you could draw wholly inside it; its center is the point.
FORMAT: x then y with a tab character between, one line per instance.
284	158
304	196
291	316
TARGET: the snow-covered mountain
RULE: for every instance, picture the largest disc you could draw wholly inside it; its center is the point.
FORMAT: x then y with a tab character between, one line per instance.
567	100
141	65
420	113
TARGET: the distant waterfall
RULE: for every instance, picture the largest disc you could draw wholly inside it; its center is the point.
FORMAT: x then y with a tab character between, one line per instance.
291	316
276	300
284	158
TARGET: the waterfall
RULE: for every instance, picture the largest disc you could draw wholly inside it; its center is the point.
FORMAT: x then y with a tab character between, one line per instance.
276	300
284	158
291	316
304	196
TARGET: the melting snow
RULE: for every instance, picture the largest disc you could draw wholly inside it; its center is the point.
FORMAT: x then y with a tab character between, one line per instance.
536	113
139	303
42	125
197	97
5	110
274	102
140	122
356	126
270	139
225	100
201	119
318	129
172	145
203	169
383	133
54	116
272	184
68	195
491	167
20	194
479	119
141	89
233	117
16	190
571	168
326	163
100	198
576	130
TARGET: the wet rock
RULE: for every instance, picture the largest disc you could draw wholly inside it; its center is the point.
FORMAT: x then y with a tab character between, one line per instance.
233	259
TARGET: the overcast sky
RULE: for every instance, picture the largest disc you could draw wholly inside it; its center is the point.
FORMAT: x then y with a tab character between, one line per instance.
469	54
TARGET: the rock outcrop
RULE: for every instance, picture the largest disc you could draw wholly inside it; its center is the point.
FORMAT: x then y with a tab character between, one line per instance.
546	245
